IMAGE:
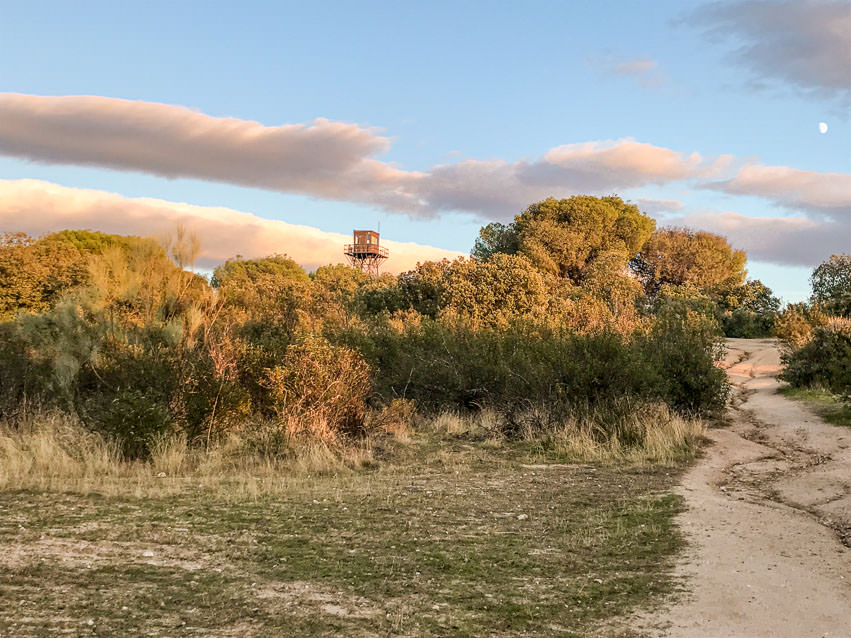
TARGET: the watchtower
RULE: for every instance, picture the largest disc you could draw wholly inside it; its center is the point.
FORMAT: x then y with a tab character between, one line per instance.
365	253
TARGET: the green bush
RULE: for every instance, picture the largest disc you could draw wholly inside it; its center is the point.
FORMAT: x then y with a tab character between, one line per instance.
747	324
825	360
443	365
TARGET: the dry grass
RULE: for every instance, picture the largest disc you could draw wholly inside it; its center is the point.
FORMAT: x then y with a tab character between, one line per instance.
649	433
53	451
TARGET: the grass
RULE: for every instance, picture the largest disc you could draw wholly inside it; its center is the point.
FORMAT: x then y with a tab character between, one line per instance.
827	405
454	532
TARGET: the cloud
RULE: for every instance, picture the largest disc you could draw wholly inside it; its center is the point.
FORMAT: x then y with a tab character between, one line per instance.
497	189
804	43
788	241
820	193
649	205
38	207
635	67
329	160
645	71
824	200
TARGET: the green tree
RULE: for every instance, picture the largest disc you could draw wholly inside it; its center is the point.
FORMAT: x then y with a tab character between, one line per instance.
565	237
679	256
336	294
831	284
34	274
273	293
495	291
495	238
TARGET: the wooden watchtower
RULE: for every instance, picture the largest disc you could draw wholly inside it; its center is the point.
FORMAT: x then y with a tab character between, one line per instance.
365	253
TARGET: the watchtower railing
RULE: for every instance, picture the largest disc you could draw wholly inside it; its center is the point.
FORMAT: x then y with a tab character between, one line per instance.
356	250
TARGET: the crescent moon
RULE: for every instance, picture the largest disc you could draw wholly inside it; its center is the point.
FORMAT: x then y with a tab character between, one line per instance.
822	127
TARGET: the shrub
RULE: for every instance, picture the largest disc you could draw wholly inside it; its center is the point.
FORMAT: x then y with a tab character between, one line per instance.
453	366
321	389
747	324
682	349
825	360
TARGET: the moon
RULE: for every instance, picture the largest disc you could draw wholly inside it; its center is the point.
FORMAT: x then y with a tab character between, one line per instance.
822	128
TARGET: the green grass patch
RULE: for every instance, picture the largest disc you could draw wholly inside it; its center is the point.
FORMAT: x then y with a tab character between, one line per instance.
465	539
827	405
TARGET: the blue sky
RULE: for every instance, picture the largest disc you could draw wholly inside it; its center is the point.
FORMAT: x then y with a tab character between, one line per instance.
447	82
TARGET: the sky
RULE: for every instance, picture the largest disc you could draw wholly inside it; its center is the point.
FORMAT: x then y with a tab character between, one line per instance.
278	127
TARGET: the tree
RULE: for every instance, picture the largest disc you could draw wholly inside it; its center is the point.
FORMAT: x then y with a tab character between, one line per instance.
752	296
271	293
679	256
495	238
494	291
831	283
34	274
565	237
336	293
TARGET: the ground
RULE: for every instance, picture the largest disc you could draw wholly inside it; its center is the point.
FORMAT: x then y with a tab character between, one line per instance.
767	511
479	541
467	538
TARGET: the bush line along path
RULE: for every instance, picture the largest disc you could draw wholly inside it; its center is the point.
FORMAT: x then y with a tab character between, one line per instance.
768	516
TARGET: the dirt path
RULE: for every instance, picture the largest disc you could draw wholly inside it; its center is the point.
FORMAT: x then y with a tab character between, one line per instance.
769	518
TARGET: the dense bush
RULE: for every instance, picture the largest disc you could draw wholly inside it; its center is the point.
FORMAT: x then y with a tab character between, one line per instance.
747	324
443	364
545	323
824	360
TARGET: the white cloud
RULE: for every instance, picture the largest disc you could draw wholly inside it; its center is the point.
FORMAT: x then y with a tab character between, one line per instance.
332	160
650	205
498	189
38	207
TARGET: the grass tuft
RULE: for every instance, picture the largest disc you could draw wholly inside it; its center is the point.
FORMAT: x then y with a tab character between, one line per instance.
829	406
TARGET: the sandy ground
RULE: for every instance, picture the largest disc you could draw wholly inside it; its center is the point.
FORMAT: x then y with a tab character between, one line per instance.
769	518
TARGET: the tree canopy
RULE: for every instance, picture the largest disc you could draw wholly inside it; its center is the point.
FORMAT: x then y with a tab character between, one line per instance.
680	257
831	283
565	237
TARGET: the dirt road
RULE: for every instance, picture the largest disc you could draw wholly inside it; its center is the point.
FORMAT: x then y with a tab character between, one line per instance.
769	518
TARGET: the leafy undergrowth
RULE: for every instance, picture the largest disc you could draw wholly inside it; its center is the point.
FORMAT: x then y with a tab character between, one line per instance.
827	405
475	540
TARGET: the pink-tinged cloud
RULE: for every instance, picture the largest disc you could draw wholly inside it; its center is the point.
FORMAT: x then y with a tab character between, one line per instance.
38	207
789	241
329	160
825	193
635	67
644	71
332	160
497	189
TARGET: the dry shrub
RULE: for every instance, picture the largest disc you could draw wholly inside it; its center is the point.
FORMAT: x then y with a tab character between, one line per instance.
395	419
795	326
485	423
320	390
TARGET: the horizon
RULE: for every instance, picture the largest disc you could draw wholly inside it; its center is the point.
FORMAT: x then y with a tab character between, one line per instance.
280	128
